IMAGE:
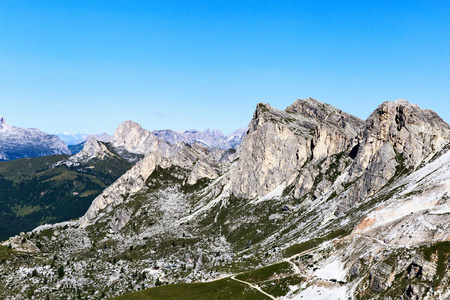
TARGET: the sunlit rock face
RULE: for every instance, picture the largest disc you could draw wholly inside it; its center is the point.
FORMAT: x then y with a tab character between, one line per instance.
16	142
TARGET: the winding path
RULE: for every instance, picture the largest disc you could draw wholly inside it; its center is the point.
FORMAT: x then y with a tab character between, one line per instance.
254	287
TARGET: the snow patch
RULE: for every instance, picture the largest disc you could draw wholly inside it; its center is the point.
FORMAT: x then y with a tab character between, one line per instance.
321	292
332	270
425	189
277	192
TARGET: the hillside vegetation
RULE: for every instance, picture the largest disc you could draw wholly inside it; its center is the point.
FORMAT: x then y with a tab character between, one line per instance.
35	192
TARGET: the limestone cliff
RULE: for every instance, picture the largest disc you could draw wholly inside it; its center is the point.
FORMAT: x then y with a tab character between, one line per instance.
397	138
133	138
280	145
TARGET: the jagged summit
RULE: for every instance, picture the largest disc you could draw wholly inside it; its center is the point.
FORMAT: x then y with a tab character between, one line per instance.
209	137
321	111
397	138
279	144
131	136
93	149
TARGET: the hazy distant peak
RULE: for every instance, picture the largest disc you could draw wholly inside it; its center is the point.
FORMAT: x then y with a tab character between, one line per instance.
19	142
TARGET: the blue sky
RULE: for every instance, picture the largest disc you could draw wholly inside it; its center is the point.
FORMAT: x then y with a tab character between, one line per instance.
87	66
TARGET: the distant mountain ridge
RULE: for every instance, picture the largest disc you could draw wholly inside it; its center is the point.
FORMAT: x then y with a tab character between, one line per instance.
16	142
77	138
208	137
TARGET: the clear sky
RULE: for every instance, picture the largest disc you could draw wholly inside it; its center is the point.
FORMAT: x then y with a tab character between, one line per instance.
87	66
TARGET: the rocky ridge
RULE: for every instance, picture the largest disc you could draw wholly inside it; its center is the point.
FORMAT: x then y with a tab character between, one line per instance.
92	149
199	161
16	142
209	138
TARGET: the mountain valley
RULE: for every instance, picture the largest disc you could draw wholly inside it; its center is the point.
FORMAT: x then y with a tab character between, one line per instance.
314	203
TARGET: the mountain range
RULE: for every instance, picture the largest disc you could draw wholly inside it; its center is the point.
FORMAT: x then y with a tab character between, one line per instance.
209	138
16	142
314	204
77	138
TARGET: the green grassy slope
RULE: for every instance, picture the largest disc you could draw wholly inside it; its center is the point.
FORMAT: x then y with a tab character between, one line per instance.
221	289
32	192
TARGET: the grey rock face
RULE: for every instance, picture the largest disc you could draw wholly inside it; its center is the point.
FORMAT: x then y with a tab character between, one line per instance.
381	277
293	148
311	155
397	138
280	145
18	143
133	138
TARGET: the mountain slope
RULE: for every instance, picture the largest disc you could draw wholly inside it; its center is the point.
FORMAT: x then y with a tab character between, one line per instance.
18	143
54	188
315	202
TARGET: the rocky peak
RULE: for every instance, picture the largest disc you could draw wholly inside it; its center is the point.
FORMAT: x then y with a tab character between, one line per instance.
102	137
279	143
262	112
94	148
398	137
134	138
210	138
411	132
214	132
4	125
310	107
195	160
325	113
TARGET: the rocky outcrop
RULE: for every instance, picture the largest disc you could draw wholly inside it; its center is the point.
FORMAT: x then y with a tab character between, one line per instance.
280	145
381	277
397	138
194	159
306	147
28	142
133	138
92	149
